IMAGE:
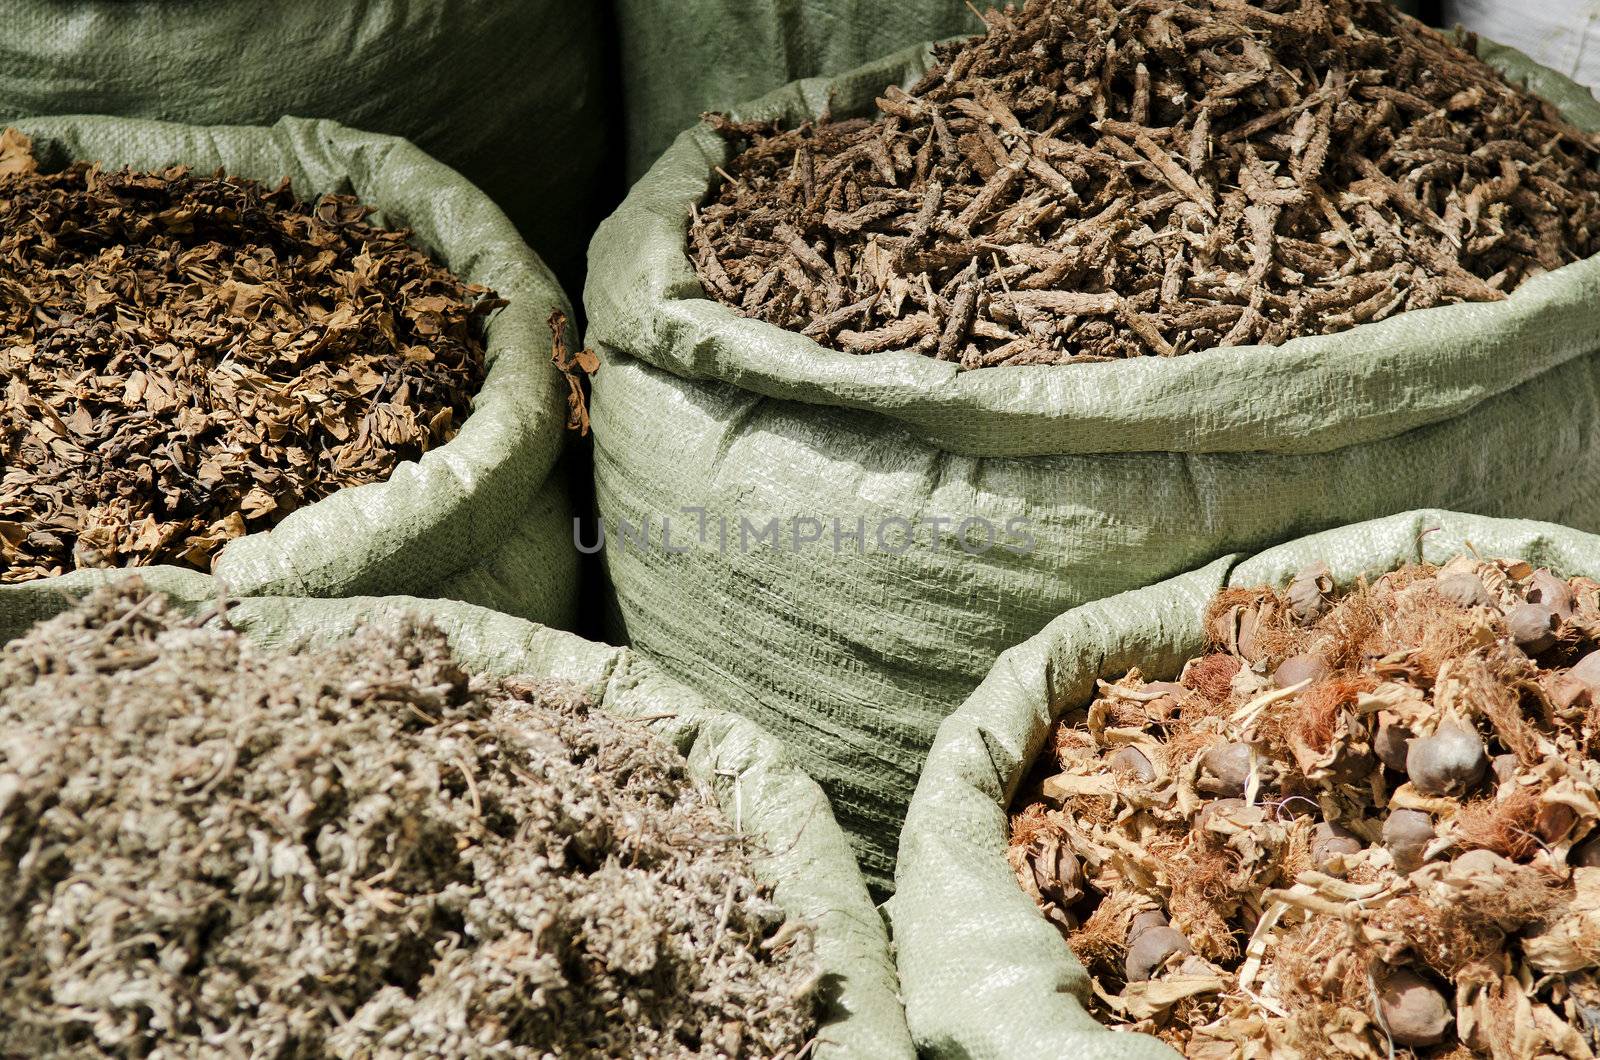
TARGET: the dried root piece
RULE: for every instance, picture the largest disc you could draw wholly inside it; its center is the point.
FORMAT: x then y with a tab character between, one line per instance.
1362	819
1092	181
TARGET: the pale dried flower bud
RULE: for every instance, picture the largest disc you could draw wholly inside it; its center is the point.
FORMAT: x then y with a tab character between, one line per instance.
1310	593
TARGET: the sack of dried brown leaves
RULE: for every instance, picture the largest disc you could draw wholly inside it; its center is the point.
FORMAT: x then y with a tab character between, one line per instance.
349	845
205	370
1337	800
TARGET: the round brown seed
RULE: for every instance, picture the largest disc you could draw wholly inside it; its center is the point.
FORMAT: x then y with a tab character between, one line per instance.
1298	668
1143	922
1533	627
1392	741
1225	770
1130	759
1150	951
1406	835
1448	762
1329	840
1413	1008
1551	591
1587	670
1586	855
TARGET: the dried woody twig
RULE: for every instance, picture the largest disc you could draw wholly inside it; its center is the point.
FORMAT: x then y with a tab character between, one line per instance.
1097	180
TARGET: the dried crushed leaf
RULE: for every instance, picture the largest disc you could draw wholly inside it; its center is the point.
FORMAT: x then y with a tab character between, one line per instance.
190	359
1363	821
212	849
1096	180
575	367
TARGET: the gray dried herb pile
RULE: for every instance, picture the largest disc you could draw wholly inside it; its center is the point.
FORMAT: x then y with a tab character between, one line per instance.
189	359
211	849
1363	825
1096	180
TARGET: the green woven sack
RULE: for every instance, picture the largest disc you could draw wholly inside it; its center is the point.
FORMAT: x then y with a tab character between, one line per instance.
681	58
511	94
983	973
797	845
1121	473
484	518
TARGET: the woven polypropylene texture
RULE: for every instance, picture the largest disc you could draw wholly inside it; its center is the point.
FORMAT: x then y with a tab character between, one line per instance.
984	974
485	517
681	58
511	94
1117	475
796	844
1562	34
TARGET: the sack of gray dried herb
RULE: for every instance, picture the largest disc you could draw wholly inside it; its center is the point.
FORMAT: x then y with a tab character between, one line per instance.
209	419
511	95
443	832
986	966
1080	480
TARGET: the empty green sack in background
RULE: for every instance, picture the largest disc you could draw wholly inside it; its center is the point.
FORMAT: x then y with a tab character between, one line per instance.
511	94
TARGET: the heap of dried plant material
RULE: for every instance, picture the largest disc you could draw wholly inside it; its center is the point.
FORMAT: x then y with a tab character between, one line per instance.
210	849
1096	180
189	359
1362	822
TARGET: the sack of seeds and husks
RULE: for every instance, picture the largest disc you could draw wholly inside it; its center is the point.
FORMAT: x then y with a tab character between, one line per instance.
1338	799
309	360
919	358
394	827
510	94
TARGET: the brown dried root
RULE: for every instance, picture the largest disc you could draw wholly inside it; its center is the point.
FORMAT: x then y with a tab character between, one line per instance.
1092	181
